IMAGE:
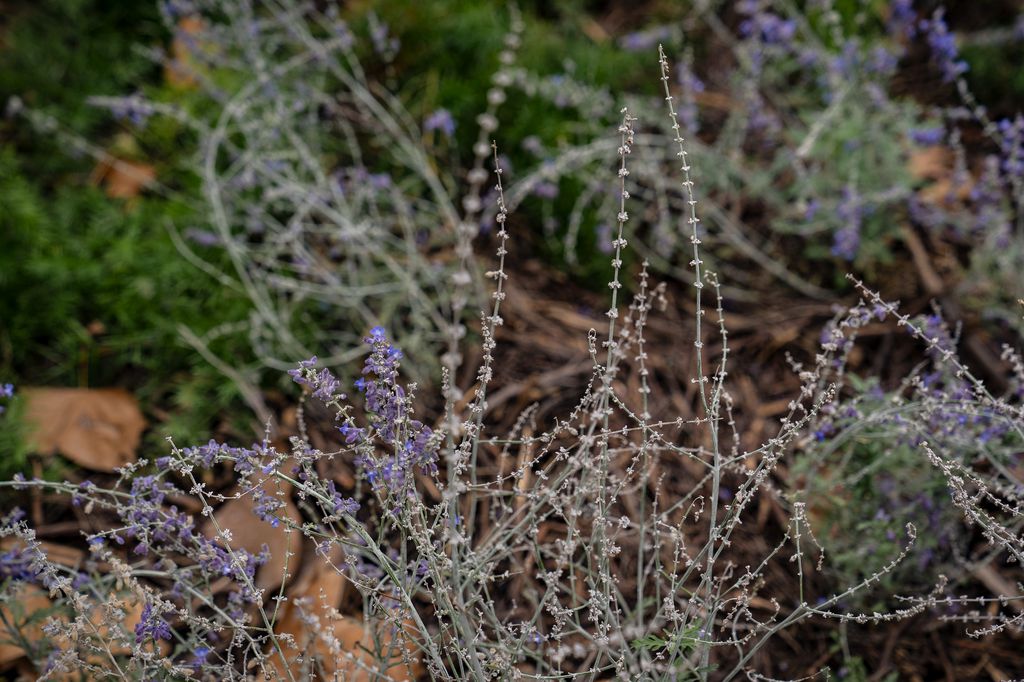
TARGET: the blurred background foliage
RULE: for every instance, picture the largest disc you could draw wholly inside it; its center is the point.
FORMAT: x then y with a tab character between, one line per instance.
92	287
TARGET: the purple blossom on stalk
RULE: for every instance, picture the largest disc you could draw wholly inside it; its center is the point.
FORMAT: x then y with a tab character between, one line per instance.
380	180
134	109
945	53
151	626
845	64
440	119
384	43
767	27
299	374
1011	146
846	242
901	19
6	391
812	209
640	41
352	434
16	565
882	61
341	505
937	332
387	409
324	384
199	656
926	137
266	507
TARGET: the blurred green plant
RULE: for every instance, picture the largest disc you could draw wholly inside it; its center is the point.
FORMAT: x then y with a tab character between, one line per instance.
92	288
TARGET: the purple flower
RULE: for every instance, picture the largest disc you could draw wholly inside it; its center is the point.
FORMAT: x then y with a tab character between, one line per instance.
847	238
151	626
767	27
545	189
16	565
639	41
440	119
299	374
927	137
388	414
351	433
341	505
901	18
266	506
199	655
945	53
202	237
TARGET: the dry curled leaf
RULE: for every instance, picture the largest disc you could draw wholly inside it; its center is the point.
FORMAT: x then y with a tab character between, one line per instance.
936	164
249	532
32	608
21	622
181	65
123	179
69	557
341	645
98	429
930	163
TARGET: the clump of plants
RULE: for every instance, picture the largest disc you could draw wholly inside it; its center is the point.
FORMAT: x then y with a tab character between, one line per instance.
864	468
818	160
548	552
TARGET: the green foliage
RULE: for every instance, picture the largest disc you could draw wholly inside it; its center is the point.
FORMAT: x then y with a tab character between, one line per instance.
13	450
94	290
56	53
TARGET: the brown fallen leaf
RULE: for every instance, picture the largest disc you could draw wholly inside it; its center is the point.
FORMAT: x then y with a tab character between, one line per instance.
250	533
69	557
311	617
98	429
129	604
34	608
180	68
937	165
123	179
27	615
930	163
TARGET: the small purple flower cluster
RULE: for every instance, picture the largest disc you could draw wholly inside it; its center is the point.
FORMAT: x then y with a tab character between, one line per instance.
151	625
850	212
928	137
134	109
641	41
323	383
245	461
944	51
387	405
768	27
16	564
162	530
341	505
266	507
442	120
1011	145
6	391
